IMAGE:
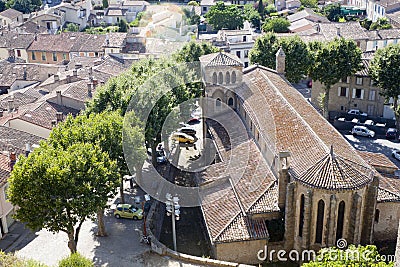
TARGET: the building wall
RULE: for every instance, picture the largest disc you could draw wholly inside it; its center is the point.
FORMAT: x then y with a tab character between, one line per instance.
3	53
68	102
369	101
28	127
385	227
48	57
242	252
373	45
6	210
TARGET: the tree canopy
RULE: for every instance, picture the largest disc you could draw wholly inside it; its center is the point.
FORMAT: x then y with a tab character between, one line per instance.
24	6
222	16
298	58
252	15
380	24
122	26
277	25
192	51
59	189
333	61
385	71
332	11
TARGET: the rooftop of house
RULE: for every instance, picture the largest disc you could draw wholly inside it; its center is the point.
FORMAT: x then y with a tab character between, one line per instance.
89	43
389	188
75	90
10	72
13	40
135	3
207	3
378	160
16	140
220	59
348	30
116	39
295	25
54	42
115	11
43	113
10	13
31	27
387	3
306	14
4	168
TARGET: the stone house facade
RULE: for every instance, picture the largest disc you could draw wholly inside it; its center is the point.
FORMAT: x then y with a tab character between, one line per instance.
288	180
355	92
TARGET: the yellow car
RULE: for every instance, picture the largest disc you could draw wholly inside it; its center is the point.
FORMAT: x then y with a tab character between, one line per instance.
183	138
128	211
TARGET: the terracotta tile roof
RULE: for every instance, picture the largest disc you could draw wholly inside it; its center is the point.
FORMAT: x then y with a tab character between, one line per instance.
10	13
348	30
76	90
10	72
268	202
89	43
287	122
115	11
16	140
116	39
15	40
54	42
389	33
335	173
4	169
377	159
31	27
135	3
365	70
220	59
390	183
387	196
44	113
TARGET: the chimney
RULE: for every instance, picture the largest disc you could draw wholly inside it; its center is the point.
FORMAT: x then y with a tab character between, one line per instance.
27	149
78	65
13	159
56	78
59	97
1	112
68	79
10	105
95	82
59	116
284	178
89	89
338	31
75	73
280	61
53	123
25	74
35	37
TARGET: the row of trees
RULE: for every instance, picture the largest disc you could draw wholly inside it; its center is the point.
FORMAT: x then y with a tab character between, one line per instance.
325	62
328	62
70	177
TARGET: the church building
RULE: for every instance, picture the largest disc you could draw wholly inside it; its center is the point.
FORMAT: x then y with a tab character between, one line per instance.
292	181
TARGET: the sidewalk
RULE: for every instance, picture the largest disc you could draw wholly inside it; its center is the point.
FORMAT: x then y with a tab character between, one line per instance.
16	234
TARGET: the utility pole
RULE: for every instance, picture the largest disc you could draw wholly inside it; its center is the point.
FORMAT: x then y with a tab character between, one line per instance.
172	207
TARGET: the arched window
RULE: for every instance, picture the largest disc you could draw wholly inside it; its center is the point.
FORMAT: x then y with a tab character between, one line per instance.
218	102
214	78
377	215
340	219
227	78
233	77
230	101
301	217
220	78
320	222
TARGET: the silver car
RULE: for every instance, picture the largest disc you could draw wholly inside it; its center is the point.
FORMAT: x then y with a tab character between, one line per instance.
362	131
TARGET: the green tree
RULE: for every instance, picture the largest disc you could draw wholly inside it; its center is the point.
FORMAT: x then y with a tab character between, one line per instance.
25	6
381	24
333	61
332	11
352	256
298	58
2	6
366	23
385	71
10	260
66	187
105	130
225	16
122	26
309	3
193	3
192	51
72	27
105	4
252	15
270	9
278	25
75	260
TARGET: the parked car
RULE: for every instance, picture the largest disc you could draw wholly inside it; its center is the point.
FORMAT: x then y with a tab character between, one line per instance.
128	211
362	131
369	122
396	154
391	133
188	130
161	157
357	112
183	138
193	121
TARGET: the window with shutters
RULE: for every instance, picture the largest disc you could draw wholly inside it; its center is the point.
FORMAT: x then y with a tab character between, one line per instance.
343	91
372	94
359	80
358	93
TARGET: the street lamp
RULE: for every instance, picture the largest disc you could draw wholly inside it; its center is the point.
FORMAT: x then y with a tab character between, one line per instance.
172	207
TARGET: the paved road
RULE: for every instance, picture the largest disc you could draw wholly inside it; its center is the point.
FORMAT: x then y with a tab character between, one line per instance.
377	145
